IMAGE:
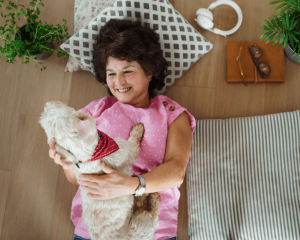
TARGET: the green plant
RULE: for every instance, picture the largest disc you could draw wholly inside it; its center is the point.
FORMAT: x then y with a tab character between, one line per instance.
32	41
285	24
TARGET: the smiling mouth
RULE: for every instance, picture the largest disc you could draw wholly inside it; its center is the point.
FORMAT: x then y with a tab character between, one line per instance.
123	90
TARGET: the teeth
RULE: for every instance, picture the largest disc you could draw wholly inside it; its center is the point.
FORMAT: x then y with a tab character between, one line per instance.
123	90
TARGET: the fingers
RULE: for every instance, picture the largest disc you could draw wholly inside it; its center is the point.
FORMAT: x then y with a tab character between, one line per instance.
52	148
106	168
57	159
91	189
95	196
66	165
56	156
91	178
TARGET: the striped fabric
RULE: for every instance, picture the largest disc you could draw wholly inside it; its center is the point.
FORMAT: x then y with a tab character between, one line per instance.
243	179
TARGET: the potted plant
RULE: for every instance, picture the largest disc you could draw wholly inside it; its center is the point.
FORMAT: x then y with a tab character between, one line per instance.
286	25
34	39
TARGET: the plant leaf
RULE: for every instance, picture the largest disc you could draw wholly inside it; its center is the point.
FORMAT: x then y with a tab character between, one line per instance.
269	24
294	37
276	39
283	10
290	41
274	23
273	2
281	40
271	37
293	23
265	28
285	41
292	3
284	23
279	6
265	35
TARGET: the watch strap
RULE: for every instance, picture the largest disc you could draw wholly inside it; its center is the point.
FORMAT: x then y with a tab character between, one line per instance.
142	180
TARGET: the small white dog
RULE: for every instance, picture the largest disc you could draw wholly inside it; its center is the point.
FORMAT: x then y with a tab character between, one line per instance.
77	137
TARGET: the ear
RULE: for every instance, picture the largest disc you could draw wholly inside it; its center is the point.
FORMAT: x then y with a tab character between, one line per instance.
84	126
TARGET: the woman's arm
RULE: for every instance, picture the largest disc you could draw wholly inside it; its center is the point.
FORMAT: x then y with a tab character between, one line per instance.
71	176
171	172
68	169
165	176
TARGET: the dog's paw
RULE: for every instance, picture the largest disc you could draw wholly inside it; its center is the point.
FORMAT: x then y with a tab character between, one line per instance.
137	132
154	197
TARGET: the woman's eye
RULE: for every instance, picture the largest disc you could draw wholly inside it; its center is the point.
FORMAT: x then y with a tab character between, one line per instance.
111	74
128	71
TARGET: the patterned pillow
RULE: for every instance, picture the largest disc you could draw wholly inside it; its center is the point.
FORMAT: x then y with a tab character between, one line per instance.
181	43
243	178
84	12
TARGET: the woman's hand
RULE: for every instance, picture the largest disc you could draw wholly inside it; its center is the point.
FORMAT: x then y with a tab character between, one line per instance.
111	185
56	156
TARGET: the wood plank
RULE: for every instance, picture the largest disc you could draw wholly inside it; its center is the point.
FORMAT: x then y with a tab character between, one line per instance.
43	86
31	197
85	89
62	227
182	224
12	81
198	101
4	186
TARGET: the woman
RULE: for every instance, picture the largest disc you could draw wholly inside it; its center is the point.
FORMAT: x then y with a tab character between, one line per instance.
128	58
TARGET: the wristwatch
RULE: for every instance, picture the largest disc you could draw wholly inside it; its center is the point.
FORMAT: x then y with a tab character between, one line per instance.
142	187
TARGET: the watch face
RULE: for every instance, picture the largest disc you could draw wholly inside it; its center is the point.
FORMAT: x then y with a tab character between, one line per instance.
140	191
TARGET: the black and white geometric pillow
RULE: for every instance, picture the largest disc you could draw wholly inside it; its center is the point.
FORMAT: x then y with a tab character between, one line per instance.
181	43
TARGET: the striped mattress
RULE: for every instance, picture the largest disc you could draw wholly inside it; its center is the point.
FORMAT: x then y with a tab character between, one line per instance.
243	178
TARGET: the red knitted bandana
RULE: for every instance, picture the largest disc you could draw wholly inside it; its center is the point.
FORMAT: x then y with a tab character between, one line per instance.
106	146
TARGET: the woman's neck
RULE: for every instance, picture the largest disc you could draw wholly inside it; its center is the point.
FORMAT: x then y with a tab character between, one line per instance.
144	104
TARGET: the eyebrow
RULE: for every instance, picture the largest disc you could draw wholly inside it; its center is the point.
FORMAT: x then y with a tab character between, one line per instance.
122	68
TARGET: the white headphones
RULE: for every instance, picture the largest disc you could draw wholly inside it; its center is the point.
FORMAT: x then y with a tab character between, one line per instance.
205	17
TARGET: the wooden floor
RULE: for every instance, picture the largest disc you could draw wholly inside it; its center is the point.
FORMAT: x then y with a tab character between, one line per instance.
35	197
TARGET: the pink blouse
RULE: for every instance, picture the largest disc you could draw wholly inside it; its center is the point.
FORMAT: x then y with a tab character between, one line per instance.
116	119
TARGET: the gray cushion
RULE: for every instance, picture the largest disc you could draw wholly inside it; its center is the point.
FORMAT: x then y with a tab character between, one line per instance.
243	178
84	12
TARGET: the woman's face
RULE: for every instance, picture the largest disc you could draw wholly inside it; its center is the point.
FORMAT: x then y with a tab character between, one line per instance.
128	82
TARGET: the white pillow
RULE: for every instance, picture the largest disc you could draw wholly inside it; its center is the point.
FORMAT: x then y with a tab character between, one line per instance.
243	178
181	43
84	12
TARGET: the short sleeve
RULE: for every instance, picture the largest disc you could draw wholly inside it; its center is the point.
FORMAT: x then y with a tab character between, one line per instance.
174	110
96	108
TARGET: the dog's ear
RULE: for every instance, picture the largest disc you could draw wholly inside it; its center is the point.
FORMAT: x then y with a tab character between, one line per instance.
84	126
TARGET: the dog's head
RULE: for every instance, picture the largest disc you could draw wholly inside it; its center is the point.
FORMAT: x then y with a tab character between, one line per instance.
75	131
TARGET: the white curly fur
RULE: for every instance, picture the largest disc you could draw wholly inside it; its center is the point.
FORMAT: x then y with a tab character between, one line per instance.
76	137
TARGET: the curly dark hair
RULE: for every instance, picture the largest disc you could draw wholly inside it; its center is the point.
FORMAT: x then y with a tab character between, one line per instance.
130	40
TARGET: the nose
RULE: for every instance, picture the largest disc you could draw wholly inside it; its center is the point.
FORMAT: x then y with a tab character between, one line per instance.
120	80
